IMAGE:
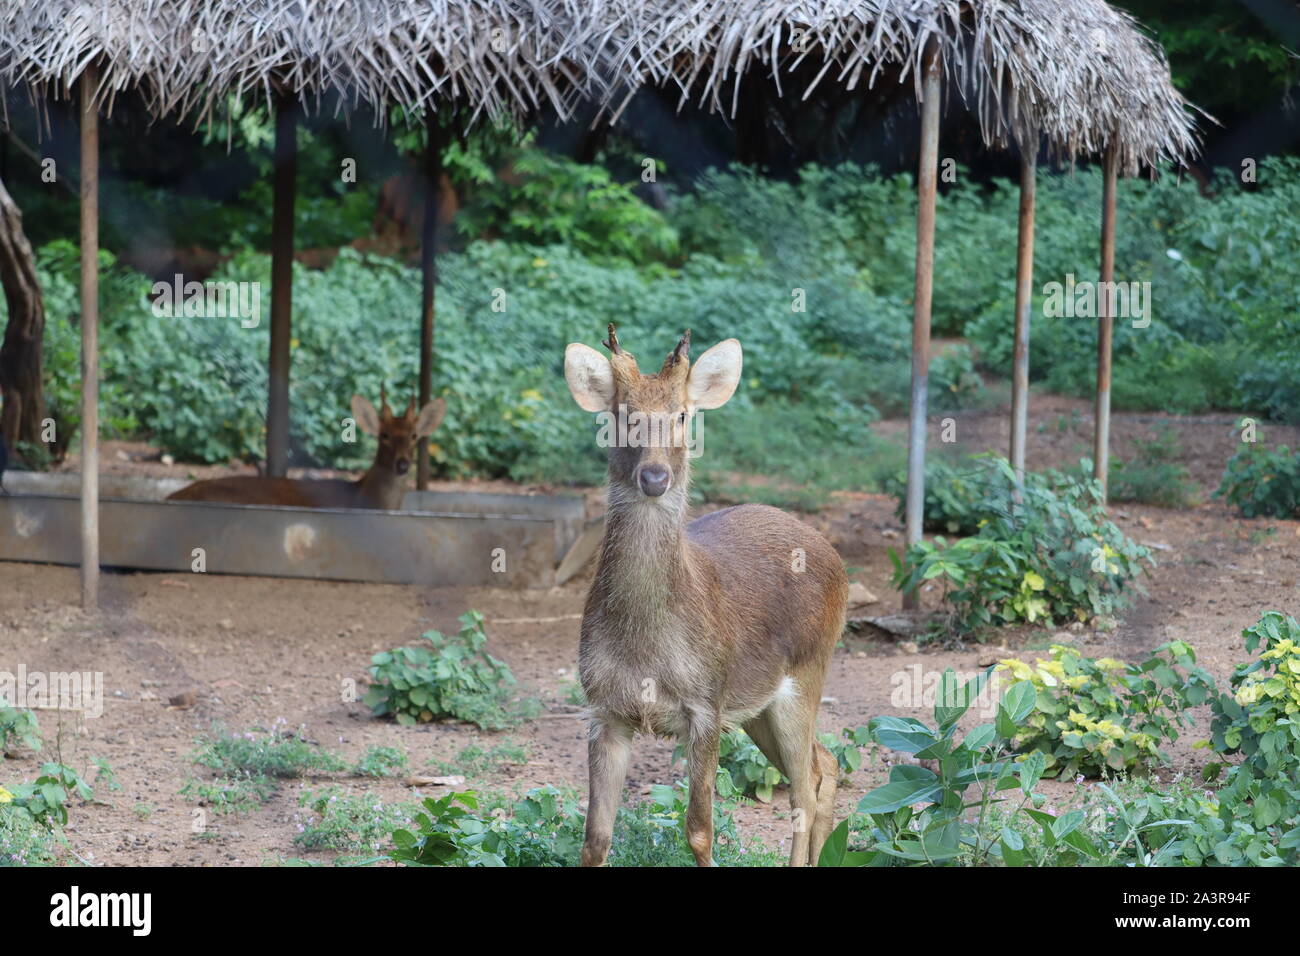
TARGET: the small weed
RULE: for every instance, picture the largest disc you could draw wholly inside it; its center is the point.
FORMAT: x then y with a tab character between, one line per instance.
380	761
350	823
476	762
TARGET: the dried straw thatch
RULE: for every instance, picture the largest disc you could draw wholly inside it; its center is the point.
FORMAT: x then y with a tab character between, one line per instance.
183	56
1081	74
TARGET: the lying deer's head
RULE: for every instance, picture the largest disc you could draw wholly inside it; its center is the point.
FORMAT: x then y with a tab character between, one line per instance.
398	434
649	457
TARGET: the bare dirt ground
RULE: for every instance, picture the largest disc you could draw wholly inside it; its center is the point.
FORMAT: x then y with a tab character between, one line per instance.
254	651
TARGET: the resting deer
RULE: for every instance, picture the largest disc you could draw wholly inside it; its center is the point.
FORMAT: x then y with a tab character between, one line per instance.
381	487
693	629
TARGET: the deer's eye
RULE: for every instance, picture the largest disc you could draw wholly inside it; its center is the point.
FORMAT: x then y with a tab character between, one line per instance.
383	436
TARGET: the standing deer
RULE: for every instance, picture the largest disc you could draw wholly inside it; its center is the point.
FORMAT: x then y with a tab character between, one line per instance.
694	629
381	487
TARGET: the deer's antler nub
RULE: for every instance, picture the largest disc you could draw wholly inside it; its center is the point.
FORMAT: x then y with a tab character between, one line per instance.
612	342
683	350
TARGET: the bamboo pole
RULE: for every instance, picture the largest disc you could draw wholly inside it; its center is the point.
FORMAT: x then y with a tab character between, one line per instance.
284	184
926	187
89	338
1105	322
1024	301
428	280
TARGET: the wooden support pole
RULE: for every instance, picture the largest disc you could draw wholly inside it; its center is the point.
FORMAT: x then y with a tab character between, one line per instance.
285	185
1024	302
428	279
89	338
1105	321
926	189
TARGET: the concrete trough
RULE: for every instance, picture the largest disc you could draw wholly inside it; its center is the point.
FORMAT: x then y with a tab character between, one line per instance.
440	539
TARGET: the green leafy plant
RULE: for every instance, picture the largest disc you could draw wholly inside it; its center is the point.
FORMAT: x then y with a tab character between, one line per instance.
957	499
542	829
248	766
545	828
234	794
1153	476
454	677
352	823
24	840
553	200
1260	719
275	753
847	748
380	761
477	761
46	797
743	769
18	727
1048	555
1093	716
1262	482
963	817
940	832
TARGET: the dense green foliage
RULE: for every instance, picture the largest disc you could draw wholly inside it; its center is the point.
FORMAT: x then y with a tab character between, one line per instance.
1050	555
740	256
1262	481
1153	475
453	677
545	827
980	806
1097	716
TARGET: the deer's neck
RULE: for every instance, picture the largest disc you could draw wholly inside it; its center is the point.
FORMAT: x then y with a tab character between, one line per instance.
644	561
381	488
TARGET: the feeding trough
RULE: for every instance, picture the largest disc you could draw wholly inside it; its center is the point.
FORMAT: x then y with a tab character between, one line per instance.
439	539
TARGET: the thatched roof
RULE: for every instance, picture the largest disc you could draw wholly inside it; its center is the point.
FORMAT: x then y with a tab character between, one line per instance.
497	56
1080	73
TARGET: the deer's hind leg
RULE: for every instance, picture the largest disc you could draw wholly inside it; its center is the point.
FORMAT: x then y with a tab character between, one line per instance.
826	781
785	734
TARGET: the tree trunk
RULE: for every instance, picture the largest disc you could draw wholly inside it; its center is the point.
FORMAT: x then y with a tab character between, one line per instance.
22	355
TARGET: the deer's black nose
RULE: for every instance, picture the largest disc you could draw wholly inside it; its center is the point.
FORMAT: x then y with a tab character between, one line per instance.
654	480
402	466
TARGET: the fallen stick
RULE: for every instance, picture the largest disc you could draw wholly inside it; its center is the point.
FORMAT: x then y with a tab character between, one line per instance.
536	620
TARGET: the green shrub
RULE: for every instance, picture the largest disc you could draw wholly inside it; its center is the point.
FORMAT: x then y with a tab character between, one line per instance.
45	799
953	382
18	727
1102	716
454	677
24	841
1252	819
1052	556
352	823
557	201
958	499
743	770
545	828
276	754
1153	476
234	793
476	761
1261	718
380	761
943	832
1262	482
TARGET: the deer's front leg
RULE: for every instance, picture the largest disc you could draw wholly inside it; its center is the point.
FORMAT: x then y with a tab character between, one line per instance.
702	759
608	751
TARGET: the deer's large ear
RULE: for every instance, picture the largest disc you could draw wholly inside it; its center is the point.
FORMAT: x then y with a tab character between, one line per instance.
590	378
431	417
715	375
366	416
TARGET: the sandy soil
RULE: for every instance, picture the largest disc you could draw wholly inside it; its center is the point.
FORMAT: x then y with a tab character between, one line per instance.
254	651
